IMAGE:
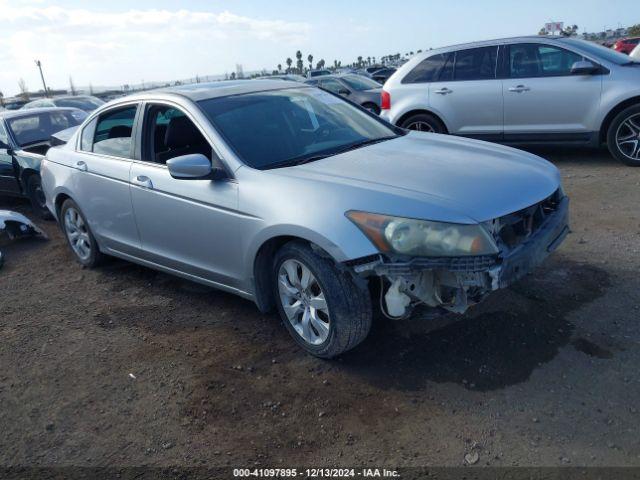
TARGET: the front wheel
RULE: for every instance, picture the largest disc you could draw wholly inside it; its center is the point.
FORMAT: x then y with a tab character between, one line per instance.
623	136
37	198
322	307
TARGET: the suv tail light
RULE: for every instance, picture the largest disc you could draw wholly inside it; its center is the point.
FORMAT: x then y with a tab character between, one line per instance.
385	103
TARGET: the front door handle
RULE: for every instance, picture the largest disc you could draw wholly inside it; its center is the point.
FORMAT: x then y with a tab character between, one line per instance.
443	91
519	89
81	165
142	181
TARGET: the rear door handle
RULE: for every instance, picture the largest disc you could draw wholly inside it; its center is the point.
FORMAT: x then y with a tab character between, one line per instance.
443	91
81	165
142	181
519	89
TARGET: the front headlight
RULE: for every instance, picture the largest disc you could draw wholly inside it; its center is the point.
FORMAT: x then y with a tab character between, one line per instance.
423	238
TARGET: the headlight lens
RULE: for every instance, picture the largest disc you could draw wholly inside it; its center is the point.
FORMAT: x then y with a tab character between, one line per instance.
423	238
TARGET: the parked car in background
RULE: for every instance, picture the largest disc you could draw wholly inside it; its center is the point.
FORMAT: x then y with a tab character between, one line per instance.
25	137
382	75
14	104
523	90
296	199
635	54
318	73
87	103
626	45
361	90
292	77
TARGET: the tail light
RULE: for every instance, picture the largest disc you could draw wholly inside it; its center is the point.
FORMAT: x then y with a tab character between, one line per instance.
385	101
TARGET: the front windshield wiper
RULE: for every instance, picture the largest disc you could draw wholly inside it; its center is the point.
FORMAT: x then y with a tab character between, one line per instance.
319	156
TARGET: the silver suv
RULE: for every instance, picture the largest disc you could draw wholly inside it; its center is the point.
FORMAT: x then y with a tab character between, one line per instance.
294	198
527	90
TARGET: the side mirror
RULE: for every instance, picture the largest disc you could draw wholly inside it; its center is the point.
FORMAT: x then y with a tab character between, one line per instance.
584	67
190	167
344	91
4	146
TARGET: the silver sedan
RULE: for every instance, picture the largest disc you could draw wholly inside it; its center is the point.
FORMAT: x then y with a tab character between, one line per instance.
291	197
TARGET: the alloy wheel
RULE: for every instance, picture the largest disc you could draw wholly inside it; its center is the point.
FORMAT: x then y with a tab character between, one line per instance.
628	137
77	233
303	302
420	126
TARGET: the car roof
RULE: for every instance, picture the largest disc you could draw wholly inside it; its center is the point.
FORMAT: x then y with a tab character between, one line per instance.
206	91
498	41
34	111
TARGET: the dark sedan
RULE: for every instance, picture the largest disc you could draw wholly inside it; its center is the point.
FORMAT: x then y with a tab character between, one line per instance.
358	89
25	137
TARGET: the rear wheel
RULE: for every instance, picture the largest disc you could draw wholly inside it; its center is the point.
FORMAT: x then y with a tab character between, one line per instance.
37	198
79	236
322	307
623	136
423	122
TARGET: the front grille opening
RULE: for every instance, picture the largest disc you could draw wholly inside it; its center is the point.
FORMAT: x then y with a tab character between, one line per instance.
515	228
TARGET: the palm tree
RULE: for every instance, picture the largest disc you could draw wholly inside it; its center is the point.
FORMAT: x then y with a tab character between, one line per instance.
368	60
289	62
335	64
1	99
359	61
310	58
299	63
279	67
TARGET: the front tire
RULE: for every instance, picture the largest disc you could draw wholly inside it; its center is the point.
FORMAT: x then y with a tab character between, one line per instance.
322	307
37	198
423	122
79	237
623	136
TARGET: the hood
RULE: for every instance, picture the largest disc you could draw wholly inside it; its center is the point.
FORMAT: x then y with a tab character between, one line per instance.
475	179
63	136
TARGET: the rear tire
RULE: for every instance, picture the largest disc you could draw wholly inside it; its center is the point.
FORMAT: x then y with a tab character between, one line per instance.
37	198
423	122
338	309
623	136
79	237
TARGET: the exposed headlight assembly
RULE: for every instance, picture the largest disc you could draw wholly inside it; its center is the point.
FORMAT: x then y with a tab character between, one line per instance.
423	238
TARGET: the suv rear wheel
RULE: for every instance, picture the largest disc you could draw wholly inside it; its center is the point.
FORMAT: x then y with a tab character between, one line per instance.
623	136
322	307
423	122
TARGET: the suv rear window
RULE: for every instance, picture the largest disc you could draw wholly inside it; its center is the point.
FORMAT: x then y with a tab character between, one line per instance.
427	70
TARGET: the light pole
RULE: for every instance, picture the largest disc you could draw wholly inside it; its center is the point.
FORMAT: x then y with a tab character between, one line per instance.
46	92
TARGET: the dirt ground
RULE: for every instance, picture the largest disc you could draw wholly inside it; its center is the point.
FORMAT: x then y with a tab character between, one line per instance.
126	366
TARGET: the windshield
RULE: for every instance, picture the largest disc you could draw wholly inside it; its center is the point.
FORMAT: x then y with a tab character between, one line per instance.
601	52
360	83
38	127
285	127
83	103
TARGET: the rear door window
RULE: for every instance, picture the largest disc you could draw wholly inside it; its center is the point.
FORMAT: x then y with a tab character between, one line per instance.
476	64
113	133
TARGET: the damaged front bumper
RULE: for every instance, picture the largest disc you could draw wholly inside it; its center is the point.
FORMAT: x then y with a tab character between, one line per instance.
455	283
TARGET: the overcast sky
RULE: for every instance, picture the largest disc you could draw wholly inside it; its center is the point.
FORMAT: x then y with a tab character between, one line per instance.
118	42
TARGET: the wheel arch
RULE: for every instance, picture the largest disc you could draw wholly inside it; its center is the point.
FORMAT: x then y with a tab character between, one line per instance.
419	111
612	114
261	271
